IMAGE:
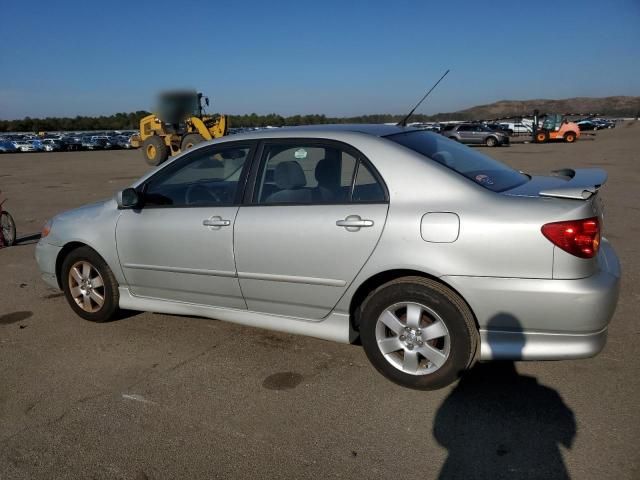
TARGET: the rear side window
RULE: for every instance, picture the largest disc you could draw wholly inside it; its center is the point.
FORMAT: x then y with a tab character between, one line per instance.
314	173
483	170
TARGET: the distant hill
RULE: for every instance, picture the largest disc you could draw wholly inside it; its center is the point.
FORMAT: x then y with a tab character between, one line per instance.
610	106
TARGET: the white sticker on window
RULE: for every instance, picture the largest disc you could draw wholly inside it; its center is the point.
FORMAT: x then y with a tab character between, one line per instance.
300	153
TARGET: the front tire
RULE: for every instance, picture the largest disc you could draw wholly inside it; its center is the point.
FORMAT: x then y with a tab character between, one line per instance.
570	137
90	286
542	137
418	333
7	229
491	142
154	150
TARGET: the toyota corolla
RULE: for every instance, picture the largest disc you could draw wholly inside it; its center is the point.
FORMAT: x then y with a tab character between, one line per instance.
430	253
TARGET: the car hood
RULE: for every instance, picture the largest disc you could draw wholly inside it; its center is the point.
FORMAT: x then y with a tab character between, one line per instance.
87	220
90	210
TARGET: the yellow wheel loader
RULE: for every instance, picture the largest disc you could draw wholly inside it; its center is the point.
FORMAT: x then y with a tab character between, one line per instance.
179	125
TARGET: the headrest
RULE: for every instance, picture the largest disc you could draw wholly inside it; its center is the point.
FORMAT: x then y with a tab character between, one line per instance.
289	175
325	173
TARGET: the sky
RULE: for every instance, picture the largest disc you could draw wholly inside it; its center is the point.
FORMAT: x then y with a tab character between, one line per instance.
340	58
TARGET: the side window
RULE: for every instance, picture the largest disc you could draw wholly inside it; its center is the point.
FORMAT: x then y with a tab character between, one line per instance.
305	174
208	176
366	188
464	128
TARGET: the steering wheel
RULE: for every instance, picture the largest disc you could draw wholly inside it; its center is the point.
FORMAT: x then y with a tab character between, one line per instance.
198	193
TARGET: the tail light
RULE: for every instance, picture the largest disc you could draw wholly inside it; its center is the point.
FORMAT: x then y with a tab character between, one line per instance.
578	237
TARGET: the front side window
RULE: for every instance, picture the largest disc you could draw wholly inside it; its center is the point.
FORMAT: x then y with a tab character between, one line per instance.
312	173
207	176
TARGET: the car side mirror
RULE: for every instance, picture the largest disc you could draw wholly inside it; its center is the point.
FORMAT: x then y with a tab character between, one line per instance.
128	198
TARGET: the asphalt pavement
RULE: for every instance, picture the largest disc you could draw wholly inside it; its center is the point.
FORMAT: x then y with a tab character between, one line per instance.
157	396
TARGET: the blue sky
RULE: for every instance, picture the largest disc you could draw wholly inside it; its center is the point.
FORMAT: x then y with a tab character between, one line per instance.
334	57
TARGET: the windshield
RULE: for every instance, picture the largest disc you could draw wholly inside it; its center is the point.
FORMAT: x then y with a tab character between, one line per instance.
483	170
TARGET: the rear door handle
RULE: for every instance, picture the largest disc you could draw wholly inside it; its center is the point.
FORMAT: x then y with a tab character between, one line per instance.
354	223
216	222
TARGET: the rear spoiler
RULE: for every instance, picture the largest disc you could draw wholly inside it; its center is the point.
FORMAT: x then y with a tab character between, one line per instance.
581	184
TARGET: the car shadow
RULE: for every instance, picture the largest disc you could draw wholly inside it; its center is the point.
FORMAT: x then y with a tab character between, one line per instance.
497	423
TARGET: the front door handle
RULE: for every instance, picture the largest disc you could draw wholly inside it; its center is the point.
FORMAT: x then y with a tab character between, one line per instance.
353	223
216	222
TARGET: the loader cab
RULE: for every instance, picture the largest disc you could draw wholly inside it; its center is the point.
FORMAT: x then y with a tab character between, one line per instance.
176	107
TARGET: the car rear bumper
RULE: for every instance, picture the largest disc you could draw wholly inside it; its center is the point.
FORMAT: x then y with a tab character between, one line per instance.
46	255
543	319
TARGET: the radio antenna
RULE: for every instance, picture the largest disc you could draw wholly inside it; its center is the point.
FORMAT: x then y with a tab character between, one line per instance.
403	122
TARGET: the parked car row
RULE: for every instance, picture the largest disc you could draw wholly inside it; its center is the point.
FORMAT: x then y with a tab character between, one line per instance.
595	124
65	142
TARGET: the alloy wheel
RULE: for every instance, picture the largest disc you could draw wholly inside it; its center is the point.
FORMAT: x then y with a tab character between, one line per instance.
413	338
86	286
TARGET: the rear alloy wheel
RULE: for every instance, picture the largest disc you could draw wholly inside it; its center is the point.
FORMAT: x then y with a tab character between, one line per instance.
570	137
190	140
418	333
154	150
89	285
491	142
7	229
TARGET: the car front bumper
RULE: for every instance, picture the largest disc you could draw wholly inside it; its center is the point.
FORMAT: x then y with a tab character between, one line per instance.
46	255
543	319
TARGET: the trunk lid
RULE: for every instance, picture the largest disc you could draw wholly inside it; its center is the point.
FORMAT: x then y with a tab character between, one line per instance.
573	184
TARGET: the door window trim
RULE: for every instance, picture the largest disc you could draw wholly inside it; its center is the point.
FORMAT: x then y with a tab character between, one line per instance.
179	163
260	163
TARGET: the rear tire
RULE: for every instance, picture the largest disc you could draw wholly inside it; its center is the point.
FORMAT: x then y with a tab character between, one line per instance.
191	140
491	142
89	285
7	229
154	150
418	333
570	137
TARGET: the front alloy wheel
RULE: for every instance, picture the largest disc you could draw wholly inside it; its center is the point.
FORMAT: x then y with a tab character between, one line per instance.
89	285
86	286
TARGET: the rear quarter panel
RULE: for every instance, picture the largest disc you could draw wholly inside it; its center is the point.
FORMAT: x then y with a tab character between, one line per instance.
499	235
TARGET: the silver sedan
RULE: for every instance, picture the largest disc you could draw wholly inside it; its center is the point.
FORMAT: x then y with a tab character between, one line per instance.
431	254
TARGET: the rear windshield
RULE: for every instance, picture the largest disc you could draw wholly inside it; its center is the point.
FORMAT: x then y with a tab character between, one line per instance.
480	168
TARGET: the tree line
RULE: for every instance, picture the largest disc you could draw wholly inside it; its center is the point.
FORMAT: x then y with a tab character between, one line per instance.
131	121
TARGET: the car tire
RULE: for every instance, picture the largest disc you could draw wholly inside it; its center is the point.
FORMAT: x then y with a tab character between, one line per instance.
154	150
390	319
570	137
455	139
7	229
89	285
491	142
191	140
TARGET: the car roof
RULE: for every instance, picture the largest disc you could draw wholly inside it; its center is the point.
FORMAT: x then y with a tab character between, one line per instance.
376	130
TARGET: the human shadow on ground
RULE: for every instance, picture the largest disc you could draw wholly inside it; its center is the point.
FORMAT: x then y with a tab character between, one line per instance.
499	424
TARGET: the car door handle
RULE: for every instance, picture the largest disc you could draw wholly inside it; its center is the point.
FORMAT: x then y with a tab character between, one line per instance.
216	222
354	221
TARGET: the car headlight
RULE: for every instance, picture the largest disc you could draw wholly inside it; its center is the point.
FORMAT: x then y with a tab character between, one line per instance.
46	229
